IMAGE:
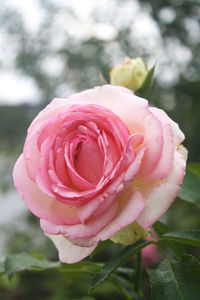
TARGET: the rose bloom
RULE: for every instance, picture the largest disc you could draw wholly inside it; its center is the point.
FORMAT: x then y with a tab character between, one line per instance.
96	162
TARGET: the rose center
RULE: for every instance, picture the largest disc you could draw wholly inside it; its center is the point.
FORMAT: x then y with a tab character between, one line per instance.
88	160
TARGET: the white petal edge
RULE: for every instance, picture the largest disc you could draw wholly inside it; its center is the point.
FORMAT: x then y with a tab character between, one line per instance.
177	133
69	253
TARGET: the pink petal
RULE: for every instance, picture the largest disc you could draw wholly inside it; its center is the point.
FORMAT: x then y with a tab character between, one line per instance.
39	203
89	161
160	194
134	167
101	201
167	156
60	167
69	253
78	181
125	171
153	140
32	155
136	115
91	228
42	177
131	206
64	194
177	133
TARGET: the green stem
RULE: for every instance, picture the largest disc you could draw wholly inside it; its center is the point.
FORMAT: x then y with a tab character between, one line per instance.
138	271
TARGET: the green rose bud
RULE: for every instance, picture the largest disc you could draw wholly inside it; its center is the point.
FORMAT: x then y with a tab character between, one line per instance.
130	74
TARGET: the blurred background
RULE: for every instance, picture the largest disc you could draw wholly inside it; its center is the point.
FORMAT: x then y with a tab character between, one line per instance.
52	48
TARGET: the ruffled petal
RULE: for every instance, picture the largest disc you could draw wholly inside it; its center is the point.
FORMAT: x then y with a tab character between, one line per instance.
125	171
91	228
39	203
131	204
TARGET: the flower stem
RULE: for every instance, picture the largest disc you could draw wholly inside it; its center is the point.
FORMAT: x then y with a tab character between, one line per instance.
138	271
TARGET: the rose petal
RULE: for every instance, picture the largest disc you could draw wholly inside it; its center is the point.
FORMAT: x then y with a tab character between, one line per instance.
120	179
167	157
160	194
32	155
91	228
131	205
69	253
177	133
39	203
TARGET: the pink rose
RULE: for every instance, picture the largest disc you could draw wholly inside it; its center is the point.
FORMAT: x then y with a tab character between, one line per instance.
94	163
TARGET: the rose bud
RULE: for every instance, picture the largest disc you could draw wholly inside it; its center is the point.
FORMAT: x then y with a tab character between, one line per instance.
96	162
130	74
150	255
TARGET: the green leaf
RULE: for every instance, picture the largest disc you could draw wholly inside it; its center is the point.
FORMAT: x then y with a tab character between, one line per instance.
120	259
102	78
84	298
190	190
147	82
102	246
125	286
190	237
161	229
85	267
23	261
176	279
195	168
2	269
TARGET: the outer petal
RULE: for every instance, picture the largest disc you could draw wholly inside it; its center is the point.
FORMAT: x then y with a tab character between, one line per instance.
177	133
39	203
167	156
69	253
59	105
91	228
131	206
160	194
32	155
